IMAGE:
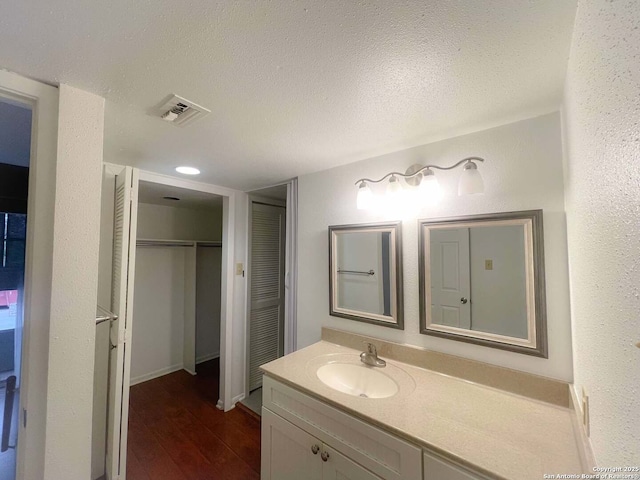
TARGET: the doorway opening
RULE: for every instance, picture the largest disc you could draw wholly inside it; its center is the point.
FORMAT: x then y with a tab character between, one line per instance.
171	287
15	154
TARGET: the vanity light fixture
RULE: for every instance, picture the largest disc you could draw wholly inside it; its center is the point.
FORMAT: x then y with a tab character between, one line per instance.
424	178
188	170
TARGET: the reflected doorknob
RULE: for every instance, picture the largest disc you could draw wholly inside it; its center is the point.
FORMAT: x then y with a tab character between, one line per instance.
463	301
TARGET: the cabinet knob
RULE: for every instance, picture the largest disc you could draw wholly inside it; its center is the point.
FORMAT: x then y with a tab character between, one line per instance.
324	456
315	449
463	301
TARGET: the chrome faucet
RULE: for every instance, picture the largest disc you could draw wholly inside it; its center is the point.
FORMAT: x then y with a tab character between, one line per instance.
370	356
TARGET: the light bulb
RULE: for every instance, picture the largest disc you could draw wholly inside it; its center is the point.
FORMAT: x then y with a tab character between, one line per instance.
430	190
470	181
365	199
394	199
394	189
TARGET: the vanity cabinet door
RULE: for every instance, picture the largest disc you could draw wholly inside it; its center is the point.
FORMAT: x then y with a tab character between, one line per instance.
287	451
338	467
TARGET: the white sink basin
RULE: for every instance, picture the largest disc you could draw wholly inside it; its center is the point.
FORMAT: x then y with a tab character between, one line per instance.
357	380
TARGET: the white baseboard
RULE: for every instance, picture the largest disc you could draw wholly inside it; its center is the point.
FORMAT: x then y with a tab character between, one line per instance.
582	439
173	368
158	373
220	405
206	358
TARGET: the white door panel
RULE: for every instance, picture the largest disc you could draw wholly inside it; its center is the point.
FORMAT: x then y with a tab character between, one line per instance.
125	222
266	316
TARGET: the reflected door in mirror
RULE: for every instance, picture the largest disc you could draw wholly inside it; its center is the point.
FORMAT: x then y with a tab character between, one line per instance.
450	282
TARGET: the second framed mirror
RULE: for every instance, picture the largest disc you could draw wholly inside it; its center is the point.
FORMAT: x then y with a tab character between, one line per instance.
482	280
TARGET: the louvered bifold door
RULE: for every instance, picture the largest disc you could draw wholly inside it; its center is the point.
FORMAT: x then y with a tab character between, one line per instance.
124	240
266	318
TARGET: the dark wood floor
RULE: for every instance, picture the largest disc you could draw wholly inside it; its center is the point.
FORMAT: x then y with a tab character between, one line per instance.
176	432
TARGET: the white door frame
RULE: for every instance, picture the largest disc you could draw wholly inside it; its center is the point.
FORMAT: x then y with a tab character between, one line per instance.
291	270
38	268
227	284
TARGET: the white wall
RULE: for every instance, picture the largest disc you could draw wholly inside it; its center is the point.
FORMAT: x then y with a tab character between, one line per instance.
523	171
158	312
74	285
174	223
602	181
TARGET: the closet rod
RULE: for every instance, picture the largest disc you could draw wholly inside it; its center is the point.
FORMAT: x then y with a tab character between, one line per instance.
146	242
164	243
104	315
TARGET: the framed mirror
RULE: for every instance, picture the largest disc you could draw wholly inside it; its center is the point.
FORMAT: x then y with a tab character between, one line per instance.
482	280
365	273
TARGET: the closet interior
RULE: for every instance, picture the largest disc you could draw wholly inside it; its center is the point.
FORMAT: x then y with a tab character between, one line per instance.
177	297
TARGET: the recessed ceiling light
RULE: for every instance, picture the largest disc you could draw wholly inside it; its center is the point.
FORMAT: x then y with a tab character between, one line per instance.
188	170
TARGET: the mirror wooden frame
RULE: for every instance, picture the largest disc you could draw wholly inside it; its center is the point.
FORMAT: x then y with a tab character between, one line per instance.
536	343
396	268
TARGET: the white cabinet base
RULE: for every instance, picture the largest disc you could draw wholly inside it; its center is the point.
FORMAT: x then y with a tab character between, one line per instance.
306	439
387	456
290	453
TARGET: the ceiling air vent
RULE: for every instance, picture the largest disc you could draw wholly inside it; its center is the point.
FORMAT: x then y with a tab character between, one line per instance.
179	111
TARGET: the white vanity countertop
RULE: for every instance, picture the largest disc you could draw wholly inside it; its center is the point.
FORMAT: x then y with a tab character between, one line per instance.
497	433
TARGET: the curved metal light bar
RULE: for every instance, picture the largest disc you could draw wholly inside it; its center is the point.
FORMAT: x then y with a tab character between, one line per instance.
418	172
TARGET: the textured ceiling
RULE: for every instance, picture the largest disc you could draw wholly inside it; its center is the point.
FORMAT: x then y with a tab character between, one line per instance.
293	87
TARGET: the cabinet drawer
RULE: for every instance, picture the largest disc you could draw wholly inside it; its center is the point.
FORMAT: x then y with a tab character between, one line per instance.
438	469
386	455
